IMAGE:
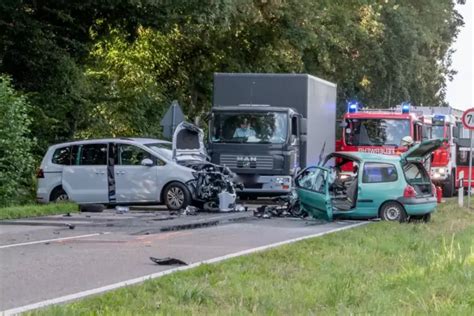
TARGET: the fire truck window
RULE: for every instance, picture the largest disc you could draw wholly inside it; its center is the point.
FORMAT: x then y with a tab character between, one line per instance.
377	132
437	131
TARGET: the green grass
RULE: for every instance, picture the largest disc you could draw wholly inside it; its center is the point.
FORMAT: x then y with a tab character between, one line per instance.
379	269
32	210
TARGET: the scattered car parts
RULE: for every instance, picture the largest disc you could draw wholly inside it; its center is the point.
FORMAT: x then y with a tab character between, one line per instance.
168	261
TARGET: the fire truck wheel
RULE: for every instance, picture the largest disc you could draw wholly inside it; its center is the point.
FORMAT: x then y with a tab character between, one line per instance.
448	187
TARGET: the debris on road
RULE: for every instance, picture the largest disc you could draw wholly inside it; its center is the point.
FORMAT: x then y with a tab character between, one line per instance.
288	206
70	226
122	209
168	261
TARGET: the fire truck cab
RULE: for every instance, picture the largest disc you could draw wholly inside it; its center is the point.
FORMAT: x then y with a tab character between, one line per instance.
379	131
443	161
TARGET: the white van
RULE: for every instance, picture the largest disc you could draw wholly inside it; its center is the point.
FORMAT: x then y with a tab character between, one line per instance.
121	171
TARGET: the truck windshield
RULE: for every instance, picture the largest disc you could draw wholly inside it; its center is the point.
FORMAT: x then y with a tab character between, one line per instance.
267	127
437	131
376	132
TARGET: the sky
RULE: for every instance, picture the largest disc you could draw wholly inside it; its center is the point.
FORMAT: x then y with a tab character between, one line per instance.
460	91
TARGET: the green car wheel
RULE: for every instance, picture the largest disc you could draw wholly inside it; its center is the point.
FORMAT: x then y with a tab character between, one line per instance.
393	212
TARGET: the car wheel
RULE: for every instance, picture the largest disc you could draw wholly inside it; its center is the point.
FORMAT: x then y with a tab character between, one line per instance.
393	211
59	195
176	196
427	217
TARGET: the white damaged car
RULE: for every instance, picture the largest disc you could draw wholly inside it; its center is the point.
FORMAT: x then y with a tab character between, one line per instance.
125	171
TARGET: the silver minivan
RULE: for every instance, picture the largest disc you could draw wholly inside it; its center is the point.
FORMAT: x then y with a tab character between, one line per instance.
121	171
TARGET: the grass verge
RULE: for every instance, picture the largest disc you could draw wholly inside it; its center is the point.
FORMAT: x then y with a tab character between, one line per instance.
381	269
32	210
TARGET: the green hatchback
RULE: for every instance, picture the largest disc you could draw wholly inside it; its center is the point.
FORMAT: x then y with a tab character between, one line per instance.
393	188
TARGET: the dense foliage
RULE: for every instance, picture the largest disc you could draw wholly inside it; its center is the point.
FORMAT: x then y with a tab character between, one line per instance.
95	68
16	160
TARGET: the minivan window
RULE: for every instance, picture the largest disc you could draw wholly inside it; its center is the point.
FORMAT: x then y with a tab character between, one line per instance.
375	172
93	154
132	155
62	156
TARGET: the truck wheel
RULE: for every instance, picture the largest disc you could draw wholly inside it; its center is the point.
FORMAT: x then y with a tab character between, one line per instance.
393	211
176	196
448	186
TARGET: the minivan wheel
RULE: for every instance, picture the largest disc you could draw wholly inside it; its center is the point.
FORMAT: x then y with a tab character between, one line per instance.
176	196
59	195
393	211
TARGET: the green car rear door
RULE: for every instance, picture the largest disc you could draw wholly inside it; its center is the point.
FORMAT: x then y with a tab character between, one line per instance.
313	192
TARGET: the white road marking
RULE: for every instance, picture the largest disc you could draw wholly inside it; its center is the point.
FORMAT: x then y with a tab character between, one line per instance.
51	240
114	286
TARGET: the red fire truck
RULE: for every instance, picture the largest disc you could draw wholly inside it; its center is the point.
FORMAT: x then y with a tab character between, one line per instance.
445	162
462	160
379	131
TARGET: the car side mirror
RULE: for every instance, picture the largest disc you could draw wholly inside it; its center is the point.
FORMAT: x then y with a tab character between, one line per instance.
303	126
147	162
293	140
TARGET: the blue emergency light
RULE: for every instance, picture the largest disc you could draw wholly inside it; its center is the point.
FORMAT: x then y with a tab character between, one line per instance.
405	107
352	106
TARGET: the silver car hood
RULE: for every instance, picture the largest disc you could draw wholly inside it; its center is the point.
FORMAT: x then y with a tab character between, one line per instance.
188	143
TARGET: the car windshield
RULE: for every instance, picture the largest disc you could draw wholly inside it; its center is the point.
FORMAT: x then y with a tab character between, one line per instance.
376	132
267	127
437	131
163	149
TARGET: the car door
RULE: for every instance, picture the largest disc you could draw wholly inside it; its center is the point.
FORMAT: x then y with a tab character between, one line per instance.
380	182
313	192
85	180
135	180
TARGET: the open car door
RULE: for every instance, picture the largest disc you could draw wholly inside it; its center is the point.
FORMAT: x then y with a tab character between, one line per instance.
313	191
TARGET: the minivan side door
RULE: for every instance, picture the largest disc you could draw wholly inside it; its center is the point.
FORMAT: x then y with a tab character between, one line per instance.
85	180
135	182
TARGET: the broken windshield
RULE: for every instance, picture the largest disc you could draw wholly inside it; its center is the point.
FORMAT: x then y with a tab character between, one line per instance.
376	132
265	127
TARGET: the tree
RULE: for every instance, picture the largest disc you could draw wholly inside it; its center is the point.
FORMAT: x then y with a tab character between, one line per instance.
16	160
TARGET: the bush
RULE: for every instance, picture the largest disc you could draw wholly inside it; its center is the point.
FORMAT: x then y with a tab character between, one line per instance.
16	160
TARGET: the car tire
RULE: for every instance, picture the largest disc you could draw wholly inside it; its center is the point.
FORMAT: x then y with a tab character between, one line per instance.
58	195
393	211
427	218
176	196
448	186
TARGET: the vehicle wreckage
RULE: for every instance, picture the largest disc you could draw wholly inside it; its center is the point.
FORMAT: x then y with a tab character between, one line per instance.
213	187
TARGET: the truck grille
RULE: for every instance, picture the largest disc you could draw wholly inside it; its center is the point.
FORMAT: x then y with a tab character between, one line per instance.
247	161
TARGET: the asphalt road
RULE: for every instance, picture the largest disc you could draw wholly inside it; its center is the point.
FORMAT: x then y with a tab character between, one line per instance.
43	259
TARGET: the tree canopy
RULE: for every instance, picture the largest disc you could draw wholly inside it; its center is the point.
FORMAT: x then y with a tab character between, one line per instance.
100	68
